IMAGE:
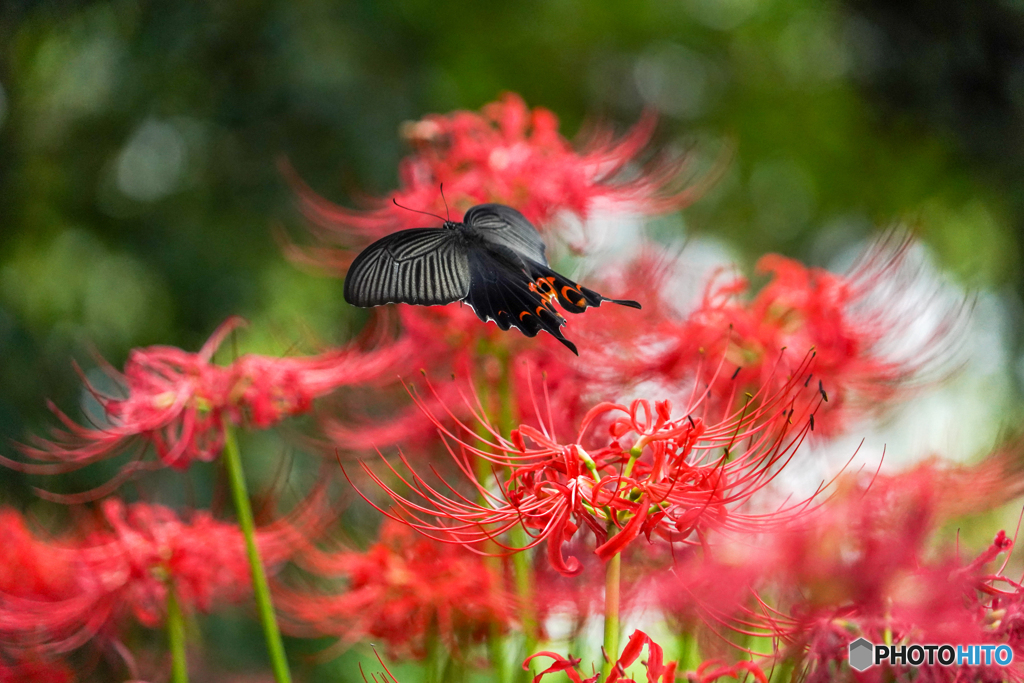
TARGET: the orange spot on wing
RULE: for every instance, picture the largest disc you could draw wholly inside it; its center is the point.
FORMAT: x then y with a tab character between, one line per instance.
524	314
545	287
565	295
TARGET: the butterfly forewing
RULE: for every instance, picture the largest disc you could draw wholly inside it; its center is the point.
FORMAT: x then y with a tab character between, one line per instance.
425	266
502	225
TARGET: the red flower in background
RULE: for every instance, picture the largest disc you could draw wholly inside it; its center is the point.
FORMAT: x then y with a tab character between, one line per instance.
35	671
403	590
860	325
86	582
676	478
658	671
29	568
179	402
860	565
506	154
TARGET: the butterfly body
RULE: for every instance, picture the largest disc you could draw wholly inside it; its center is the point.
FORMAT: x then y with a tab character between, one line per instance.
494	260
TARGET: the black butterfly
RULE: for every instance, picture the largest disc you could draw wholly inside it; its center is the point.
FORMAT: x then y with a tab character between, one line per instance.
493	260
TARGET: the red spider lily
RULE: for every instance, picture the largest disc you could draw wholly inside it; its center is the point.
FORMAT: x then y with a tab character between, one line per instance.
180	402
506	154
35	671
937	602
676	478
861	326
860	566
657	669
405	589
28	567
124	567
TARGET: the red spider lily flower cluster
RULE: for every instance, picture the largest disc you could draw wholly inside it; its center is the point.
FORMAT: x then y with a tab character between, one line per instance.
404	590
855	322
676	478
78	586
861	566
506	154
180	402
658	671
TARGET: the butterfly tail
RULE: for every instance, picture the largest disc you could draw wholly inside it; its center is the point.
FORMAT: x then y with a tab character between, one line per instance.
622	302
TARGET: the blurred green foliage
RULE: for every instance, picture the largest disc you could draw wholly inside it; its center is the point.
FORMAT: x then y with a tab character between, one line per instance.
140	141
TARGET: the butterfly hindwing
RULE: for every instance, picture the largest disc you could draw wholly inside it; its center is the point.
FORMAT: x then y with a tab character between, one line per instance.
425	266
571	296
504	226
501	290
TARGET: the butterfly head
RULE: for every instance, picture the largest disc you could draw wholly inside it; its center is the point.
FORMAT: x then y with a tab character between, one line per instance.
450	225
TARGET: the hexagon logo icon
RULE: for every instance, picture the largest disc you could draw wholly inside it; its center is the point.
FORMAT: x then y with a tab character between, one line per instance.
861	654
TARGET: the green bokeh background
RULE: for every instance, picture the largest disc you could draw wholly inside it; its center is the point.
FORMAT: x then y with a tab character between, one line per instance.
139	146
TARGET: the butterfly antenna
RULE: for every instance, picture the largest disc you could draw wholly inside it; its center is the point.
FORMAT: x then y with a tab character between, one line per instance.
449	213
425	213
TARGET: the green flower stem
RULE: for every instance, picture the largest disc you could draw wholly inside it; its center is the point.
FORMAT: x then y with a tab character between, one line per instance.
688	656
522	568
524	588
176	637
492	563
432	665
261	590
634	454
613	572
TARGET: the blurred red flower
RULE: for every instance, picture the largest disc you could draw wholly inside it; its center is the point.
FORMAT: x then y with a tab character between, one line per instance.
866	328
179	402
404	590
658	671
506	154
123	566
35	671
861	565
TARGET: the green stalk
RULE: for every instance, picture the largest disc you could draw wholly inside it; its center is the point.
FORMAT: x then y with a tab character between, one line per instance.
264	606
495	641
613	572
176	637
522	568
688	656
433	663
524	588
